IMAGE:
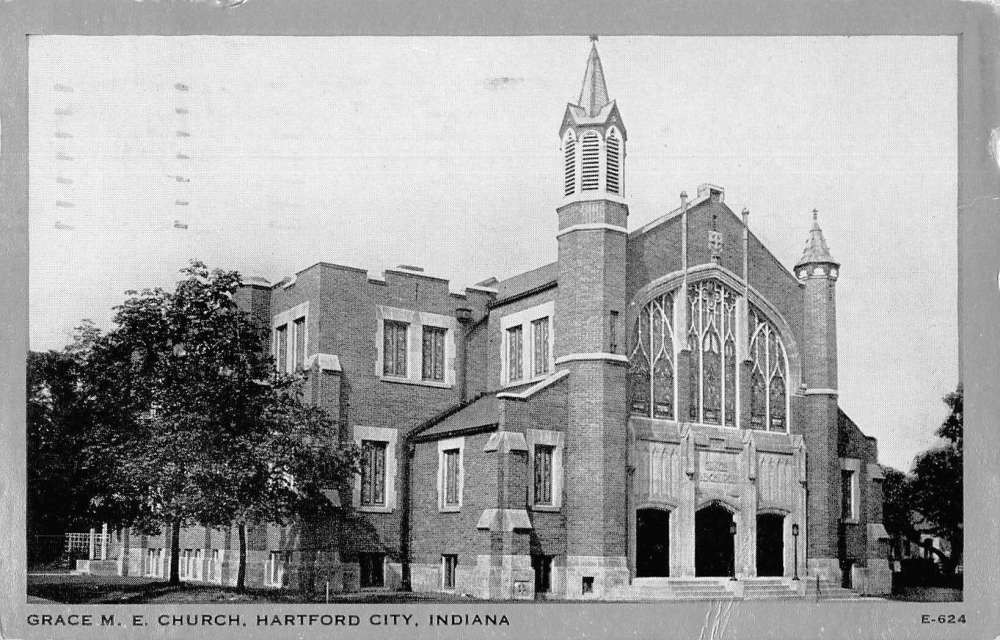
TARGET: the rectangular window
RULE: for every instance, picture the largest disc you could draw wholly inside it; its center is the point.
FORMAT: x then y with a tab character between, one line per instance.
540	333
184	566
543	474
154	562
433	365
514	351
613	332
299	353
215	566
281	347
277	570
451	477
847	495
372	472
394	348
196	570
450	563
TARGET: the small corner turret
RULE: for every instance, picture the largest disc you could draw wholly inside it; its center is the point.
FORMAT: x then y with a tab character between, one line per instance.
816	261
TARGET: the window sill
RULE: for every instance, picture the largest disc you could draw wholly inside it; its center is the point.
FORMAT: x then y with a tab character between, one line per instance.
450	509
374	509
527	381
850	521
420	383
547	508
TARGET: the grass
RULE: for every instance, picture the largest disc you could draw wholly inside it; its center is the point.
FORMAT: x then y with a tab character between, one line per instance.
83	589
928	594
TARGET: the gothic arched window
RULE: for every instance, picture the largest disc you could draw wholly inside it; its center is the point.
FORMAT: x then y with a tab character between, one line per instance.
711	325
651	363
590	164
714	375
769	376
569	152
614	163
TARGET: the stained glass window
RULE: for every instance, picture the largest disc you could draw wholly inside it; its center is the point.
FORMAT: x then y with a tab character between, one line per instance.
373	472
394	348
651	366
540	335
711	322
433	353
451	477
543	474
769	388
713	370
514	353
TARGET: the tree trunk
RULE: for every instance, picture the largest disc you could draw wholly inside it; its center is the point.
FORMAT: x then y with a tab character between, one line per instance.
241	575
175	552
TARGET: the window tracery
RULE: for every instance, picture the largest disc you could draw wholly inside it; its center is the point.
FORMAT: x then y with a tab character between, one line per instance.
714	375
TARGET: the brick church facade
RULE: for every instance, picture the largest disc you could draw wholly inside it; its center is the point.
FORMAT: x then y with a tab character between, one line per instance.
657	406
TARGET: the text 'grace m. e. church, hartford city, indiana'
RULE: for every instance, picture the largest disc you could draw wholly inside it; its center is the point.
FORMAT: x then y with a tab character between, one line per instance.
650	416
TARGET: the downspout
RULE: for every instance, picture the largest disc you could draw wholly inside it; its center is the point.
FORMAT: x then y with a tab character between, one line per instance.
404	524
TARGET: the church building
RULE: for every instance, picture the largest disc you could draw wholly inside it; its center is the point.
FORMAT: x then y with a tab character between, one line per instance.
653	415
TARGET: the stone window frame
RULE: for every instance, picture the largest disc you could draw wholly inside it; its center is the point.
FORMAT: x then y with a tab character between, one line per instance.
556	440
450	444
288	320
416	321
525	319
853	465
390	437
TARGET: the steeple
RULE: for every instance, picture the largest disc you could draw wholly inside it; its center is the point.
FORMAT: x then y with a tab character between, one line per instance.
594	92
593	139
816	251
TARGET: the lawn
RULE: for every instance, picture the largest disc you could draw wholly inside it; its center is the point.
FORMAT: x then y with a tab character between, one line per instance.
73	589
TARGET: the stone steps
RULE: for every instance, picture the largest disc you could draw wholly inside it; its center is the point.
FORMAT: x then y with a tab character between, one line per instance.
768	588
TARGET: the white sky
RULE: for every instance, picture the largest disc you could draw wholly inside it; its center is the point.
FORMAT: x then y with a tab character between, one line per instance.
443	152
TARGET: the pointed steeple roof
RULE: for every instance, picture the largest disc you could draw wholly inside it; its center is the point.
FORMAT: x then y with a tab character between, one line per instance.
816	249
594	93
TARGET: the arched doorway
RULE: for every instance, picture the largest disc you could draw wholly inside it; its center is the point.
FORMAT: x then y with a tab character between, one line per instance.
652	543
714	551
770	544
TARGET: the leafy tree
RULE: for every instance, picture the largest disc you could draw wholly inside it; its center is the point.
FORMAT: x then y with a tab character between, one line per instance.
935	487
192	424
897	505
57	422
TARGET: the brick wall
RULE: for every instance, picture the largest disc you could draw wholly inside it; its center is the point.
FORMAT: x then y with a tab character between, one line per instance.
434	533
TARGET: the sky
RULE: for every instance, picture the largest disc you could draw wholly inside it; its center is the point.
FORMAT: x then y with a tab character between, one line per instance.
269	154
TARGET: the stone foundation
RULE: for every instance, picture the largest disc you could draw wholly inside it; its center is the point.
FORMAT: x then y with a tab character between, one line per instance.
594	577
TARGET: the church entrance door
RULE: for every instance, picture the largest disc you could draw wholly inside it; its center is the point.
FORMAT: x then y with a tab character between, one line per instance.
770	544
713	543
652	543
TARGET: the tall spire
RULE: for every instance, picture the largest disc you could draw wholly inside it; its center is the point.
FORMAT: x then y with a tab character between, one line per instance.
594	93
815	249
